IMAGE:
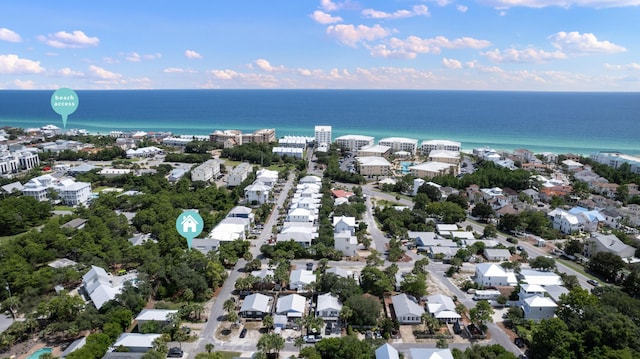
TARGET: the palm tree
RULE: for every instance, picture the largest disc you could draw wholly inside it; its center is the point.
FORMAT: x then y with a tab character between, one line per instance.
270	343
198	309
298	342
229	305
345	314
209	347
267	321
430	323
461	309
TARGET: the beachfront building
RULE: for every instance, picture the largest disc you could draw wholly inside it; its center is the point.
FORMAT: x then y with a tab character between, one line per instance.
616	159
144	152
228	138
206	171
295	141
399	144
354	142
239	174
265	135
374	151
322	135
433	145
445	156
373	166
432	169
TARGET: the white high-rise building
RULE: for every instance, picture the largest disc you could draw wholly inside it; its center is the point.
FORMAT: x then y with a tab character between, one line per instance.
323	135
354	142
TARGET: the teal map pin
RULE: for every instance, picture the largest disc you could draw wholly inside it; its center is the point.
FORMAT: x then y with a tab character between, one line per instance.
189	225
64	102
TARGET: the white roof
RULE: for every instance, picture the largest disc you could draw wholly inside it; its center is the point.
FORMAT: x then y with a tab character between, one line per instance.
373	161
540	277
399	140
447	227
430	353
403	305
292	303
532	288
328	301
136	340
349	221
441	142
490	270
431	166
444	154
539	302
375	148
255	303
262	273
355	137
302	276
158	315
386	351
340	272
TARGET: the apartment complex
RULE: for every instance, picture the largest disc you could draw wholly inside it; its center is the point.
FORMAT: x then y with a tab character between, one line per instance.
323	135
616	159
399	144
431	145
354	142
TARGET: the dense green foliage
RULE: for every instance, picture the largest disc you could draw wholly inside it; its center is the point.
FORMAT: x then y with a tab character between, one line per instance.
488	175
19	214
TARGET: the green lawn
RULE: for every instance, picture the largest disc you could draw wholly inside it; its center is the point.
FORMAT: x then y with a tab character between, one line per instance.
229	355
4	240
63	208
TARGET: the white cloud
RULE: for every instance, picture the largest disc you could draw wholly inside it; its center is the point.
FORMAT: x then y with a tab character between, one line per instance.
351	35
190	54
528	55
462	8
502	13
223	74
322	17
587	43
174	70
24	85
13	65
111	60
632	66
264	65
500	4
328	5
103	74
67	72
451	63
64	40
442	3
9	35
418	10
135	57
412	45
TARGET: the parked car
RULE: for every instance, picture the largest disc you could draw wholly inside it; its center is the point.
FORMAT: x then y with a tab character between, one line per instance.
519	342
310	266
519	248
175	352
243	333
593	282
311	339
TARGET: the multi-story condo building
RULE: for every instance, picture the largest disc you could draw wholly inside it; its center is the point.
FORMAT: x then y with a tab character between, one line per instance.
375	150
323	135
616	159
373	166
400	144
354	142
239	174
206	171
431	145
76	193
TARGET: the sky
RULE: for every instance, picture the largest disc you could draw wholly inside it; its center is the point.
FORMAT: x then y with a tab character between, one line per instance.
506	45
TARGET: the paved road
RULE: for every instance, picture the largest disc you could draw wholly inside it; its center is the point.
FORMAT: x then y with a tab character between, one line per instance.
216	314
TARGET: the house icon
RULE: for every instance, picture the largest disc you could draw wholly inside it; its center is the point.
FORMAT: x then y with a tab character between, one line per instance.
189	224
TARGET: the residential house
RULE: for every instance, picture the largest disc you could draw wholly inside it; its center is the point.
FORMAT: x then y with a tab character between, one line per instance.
256	306
302	235
257	193
609	243
386	351
530	290
160	316
77	223
136	342
442	308
292	305
542	278
537	308
241	212
97	284
497	255
311	180
344	224
205	245
492	275
328	307
300	279
346	243
407	309
239	174
430	353
341	272
301	215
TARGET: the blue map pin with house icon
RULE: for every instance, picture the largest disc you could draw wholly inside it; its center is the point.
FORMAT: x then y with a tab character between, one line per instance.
189	225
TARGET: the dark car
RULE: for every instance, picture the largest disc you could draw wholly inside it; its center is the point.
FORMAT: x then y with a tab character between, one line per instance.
593	282
519	342
519	248
327	329
174	352
243	333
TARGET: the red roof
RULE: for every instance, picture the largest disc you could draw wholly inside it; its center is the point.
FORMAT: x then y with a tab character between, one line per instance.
339	193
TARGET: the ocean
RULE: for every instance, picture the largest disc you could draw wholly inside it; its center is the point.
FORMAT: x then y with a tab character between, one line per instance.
559	122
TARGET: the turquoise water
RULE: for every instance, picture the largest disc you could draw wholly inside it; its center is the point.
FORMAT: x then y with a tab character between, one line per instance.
404	167
558	122
39	352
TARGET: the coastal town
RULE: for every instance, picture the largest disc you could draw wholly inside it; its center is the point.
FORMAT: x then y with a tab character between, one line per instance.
313	247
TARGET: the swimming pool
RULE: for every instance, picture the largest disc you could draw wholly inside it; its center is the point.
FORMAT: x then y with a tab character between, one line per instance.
405	167
39	352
